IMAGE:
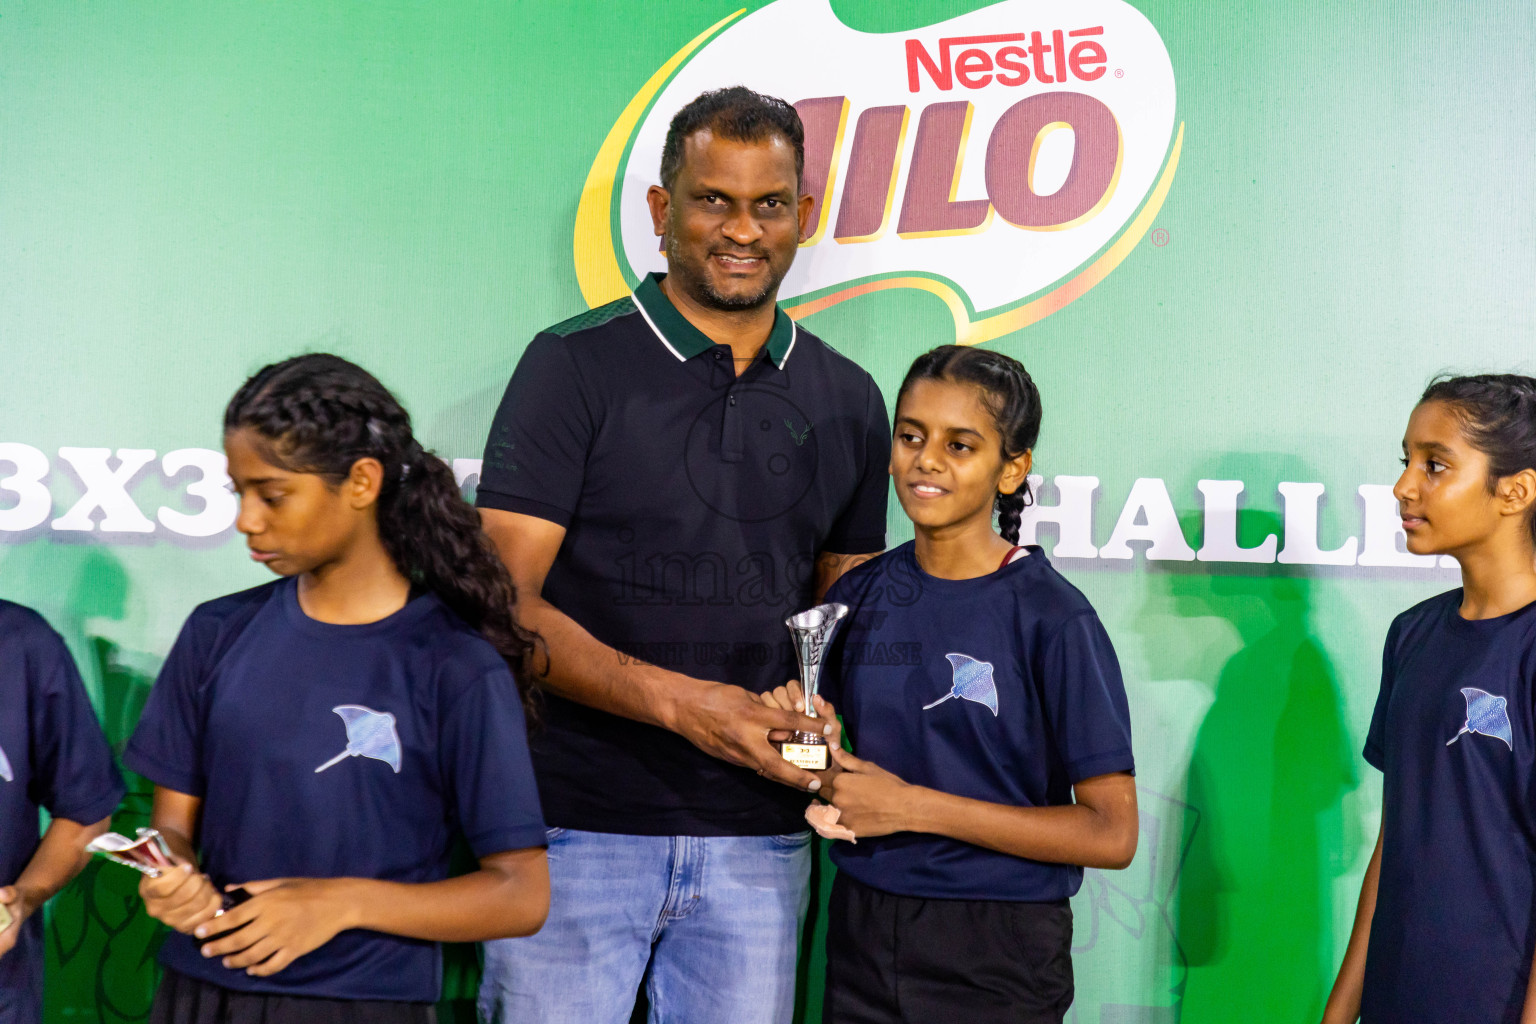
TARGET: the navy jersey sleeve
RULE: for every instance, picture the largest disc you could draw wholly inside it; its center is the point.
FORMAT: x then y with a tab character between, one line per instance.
860	528
73	774
536	454
167	745
1084	700
1376	738
484	751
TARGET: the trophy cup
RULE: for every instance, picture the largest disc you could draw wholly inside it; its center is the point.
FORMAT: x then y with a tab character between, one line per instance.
812	631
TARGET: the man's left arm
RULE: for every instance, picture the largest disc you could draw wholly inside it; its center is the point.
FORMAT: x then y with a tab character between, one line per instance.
830	566
859	533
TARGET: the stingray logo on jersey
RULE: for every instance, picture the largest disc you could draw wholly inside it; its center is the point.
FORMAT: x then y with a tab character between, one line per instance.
972	681
370	733
1487	715
1005	160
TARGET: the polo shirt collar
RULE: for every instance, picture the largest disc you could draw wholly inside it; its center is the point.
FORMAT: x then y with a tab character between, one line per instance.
685	341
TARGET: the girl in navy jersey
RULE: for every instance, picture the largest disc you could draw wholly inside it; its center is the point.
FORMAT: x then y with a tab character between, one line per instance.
53	756
319	742
1445	929
984	703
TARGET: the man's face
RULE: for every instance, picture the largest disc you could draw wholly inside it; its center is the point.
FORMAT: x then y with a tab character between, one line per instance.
732	220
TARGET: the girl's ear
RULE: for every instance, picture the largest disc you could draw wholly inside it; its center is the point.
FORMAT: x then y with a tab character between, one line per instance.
1517	492
1015	472
364	482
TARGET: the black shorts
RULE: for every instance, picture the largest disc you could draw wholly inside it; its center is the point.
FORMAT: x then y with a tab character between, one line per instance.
184	1000
900	958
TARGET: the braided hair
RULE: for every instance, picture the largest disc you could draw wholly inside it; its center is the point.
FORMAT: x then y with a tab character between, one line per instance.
320	414
1498	416
1009	394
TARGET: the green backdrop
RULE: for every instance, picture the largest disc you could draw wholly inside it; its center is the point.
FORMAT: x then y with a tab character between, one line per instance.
190	190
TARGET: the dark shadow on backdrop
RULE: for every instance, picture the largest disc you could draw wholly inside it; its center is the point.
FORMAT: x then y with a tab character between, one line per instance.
1270	766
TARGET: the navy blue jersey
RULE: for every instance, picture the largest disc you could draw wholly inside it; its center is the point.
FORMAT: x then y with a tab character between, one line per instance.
52	755
1452	935
324	750
1003	688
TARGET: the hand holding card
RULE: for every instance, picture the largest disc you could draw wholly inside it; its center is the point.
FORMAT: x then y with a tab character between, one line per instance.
147	854
151	856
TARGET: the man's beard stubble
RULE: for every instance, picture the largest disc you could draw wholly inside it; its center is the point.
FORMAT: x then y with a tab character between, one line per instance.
698	287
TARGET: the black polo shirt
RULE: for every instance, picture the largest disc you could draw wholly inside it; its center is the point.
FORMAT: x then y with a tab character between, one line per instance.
695	502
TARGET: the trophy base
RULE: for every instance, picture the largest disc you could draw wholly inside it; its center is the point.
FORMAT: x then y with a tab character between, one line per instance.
807	750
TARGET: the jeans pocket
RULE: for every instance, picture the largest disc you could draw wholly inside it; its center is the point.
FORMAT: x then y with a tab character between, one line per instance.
792	840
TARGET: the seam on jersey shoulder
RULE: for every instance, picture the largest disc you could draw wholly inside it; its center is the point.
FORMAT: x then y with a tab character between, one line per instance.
593	318
1061	627
225	625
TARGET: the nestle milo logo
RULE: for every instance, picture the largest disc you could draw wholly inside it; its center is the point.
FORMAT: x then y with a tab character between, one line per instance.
1007	59
1005	160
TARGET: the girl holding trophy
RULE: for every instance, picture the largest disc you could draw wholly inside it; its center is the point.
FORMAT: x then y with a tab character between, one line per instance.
993	754
320	741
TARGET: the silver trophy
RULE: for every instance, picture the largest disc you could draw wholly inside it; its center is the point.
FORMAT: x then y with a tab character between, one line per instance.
812	633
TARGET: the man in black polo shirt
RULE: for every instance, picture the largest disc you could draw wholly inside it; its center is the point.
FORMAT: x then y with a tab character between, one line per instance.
667	478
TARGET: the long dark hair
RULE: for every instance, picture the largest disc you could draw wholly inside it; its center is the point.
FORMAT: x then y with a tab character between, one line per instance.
1009	394
319	414
1498	415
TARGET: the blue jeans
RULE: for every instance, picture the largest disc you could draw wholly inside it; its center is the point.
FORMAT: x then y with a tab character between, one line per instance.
716	918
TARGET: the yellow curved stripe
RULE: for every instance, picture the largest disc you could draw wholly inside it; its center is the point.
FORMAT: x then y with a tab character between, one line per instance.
990	328
597	264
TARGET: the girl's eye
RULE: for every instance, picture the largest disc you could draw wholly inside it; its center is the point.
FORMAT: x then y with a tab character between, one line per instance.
1403	461
910	439
1433	466
960	446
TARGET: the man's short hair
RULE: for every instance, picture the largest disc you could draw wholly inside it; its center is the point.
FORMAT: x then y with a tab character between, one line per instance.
738	114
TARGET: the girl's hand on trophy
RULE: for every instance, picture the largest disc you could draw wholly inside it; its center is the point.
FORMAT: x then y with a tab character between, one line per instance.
786	698
833	731
834	728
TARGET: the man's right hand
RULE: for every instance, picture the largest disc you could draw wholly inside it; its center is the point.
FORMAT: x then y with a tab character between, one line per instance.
733	724
181	897
724	721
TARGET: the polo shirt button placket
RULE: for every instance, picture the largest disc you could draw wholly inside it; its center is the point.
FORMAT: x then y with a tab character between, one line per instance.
724	373
732	444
